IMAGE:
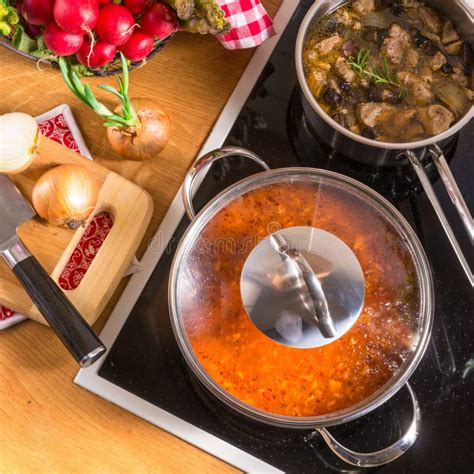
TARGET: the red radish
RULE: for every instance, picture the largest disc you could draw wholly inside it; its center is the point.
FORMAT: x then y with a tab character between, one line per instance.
159	21
76	16
115	24
137	6
138	47
103	2
102	54
37	12
60	42
32	31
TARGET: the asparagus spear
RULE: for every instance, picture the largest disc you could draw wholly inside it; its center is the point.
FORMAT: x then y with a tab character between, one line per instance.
212	11
184	8
198	25
200	16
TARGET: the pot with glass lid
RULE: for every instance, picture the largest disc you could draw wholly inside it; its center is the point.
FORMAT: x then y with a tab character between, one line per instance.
301	298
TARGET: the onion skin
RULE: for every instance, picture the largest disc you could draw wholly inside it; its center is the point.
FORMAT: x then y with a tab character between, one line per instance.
66	195
17	155
146	140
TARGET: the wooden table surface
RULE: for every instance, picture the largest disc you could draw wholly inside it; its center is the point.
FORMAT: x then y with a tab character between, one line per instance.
47	423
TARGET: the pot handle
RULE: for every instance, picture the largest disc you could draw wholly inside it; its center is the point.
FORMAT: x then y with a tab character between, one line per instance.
204	162
376	458
456	197
452	189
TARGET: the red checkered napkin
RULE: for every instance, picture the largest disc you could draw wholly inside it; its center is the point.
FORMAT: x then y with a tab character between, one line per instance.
250	24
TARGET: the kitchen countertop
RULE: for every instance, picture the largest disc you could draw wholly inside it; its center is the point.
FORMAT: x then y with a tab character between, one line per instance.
47	422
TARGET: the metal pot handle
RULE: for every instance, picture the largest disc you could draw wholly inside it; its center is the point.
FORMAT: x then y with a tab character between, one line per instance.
452	189
456	197
376	458
204	162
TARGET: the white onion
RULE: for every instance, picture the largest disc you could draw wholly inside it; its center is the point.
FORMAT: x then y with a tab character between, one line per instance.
19	137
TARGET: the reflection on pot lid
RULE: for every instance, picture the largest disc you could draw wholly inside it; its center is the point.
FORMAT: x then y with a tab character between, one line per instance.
302	287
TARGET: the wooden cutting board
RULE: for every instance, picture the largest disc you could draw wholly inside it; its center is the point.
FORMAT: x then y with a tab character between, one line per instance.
131	208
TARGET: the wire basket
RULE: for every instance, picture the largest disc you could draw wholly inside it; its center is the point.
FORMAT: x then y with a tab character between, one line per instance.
112	68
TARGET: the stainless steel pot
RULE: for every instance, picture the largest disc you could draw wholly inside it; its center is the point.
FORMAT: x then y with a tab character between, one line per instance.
182	282
391	154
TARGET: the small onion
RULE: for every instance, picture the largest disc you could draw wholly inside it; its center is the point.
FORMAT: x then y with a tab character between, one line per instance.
65	195
19	138
146	140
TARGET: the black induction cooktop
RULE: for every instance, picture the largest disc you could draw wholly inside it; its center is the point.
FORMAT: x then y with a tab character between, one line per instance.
145	359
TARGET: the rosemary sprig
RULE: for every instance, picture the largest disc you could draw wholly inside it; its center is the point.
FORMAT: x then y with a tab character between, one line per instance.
361	62
362	65
128	117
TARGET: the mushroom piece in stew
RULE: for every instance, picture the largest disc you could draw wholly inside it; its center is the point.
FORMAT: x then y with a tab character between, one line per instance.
390	70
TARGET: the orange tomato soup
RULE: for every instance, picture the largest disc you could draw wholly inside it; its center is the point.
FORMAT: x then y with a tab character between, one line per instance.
280	379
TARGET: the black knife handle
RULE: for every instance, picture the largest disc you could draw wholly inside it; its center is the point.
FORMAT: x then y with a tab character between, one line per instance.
59	312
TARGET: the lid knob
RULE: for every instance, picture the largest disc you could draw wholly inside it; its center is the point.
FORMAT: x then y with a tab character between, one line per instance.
302	287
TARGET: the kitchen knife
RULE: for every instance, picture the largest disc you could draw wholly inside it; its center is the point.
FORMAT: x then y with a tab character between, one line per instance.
58	311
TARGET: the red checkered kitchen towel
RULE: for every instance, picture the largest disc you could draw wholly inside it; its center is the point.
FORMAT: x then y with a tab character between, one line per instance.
250	24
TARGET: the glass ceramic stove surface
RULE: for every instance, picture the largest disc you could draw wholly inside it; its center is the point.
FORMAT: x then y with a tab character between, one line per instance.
145	359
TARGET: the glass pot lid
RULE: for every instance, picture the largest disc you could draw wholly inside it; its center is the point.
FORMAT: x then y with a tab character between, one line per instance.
302	287
374	352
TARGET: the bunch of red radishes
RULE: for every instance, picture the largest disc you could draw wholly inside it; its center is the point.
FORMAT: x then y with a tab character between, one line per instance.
94	30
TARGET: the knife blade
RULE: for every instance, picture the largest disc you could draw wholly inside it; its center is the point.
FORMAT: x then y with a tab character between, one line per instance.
58	311
14	210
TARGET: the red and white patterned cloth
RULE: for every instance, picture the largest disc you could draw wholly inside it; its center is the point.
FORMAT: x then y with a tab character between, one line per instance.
59	125
8	315
58	130
86	250
250	24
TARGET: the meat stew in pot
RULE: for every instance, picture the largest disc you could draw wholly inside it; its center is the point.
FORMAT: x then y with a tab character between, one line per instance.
390	70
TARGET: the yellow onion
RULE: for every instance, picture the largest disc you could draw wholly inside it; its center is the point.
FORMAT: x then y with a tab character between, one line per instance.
146	139
66	195
138	129
19	138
